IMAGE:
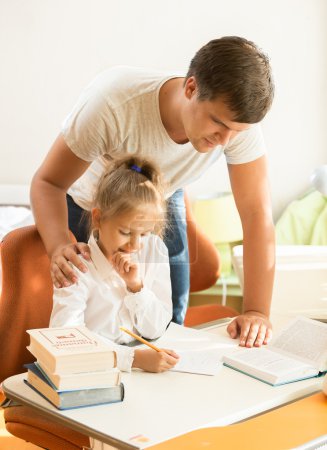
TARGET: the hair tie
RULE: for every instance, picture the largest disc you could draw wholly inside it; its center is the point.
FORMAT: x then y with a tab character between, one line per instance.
136	168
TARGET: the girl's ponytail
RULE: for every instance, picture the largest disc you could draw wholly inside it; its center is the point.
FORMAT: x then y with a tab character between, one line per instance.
128	184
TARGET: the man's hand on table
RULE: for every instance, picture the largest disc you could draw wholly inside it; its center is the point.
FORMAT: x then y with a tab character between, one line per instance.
253	329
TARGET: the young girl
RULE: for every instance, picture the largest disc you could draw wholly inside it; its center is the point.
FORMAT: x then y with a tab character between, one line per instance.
128	278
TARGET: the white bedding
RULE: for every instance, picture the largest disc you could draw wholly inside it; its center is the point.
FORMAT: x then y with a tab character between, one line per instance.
12	217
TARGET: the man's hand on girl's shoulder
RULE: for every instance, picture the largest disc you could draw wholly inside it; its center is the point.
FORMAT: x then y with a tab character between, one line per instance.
63	261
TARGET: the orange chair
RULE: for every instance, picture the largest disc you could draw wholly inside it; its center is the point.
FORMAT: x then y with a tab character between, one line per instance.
25	298
195	315
204	259
204	272
26	302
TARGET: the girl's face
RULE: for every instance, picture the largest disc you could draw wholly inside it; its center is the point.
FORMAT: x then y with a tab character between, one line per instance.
123	232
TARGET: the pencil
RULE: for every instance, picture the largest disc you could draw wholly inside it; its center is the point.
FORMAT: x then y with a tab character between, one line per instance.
135	336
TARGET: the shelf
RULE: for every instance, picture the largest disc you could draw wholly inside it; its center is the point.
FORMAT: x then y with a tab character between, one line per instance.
232	284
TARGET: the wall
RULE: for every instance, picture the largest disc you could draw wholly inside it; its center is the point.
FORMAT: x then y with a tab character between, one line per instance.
50	49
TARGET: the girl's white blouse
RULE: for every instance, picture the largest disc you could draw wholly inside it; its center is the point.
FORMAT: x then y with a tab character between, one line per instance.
100	299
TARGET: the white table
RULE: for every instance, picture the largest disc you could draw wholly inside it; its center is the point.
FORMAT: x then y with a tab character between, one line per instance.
158	407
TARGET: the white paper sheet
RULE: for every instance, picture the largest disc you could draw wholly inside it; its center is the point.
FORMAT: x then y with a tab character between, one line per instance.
200	351
203	362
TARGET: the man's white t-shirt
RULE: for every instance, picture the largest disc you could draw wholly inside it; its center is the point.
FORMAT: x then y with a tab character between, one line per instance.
118	115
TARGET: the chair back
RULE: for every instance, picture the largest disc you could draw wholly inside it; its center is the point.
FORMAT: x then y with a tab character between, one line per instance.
205	264
26	296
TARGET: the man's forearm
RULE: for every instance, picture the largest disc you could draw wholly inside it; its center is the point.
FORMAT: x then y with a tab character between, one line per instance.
258	264
50	212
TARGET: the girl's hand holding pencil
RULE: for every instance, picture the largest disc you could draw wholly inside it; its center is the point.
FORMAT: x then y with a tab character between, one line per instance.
153	360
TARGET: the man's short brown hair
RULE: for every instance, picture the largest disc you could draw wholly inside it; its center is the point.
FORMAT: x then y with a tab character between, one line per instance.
236	70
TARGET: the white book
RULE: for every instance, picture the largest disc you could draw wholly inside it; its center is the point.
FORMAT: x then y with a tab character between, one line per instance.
298	352
70	350
82	380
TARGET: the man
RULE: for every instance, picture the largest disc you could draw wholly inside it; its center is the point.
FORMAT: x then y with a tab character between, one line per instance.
183	125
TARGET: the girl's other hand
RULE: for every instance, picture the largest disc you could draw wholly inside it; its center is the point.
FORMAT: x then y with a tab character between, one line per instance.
128	269
152	361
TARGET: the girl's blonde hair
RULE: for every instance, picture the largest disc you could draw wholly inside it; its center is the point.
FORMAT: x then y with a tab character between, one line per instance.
129	183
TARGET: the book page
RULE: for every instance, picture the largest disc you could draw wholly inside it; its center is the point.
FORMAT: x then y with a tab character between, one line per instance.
305	339
267	360
268	365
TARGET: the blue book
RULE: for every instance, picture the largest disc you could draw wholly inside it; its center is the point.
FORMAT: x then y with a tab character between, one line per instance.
71	398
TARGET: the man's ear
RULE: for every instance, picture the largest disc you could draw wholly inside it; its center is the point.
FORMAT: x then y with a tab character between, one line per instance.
96	217
190	87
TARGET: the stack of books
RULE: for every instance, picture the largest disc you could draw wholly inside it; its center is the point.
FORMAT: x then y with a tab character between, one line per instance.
73	368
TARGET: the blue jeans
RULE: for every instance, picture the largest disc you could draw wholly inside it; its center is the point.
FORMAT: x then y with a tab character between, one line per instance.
175	238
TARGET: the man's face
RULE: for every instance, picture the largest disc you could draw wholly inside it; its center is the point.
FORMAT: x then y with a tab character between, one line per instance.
207	124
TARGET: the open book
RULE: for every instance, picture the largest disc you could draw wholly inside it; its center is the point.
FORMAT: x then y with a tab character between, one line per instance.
298	352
